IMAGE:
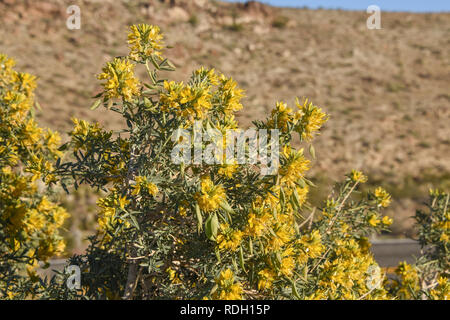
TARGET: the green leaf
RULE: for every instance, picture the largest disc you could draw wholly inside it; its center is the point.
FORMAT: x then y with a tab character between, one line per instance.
134	221
64	187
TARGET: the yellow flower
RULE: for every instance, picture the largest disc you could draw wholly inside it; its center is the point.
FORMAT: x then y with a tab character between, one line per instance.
407	271
228	238
231	95
266	278
182	211
287	266
36	220
373	220
173	276
228	289
311	119
122	202
145	40
225	278
442	290
387	220
187	101
383	198
211	196
257	226
312	244
142	183
228	170
120	79
358	176
208	74
283	235
281	117
295	167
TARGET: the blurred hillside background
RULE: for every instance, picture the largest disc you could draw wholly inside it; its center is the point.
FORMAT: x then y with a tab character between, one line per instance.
387	91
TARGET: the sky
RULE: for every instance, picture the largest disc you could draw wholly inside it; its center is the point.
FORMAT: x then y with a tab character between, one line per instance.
387	5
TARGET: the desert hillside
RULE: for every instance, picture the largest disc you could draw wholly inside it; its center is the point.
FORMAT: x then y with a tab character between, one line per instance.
387	91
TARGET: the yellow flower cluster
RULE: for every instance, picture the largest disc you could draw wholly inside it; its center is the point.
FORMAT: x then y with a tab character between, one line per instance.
311	120
307	120
383	198
120	81
143	183
311	246
227	170
29	219
189	101
358	176
230	95
211	196
282	117
409	278
442	290
295	167
206	92
258	223
144	41
266	278
108	208
228	289
350	272
228	238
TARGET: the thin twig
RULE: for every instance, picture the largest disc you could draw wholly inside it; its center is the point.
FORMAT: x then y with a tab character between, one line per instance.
320	260
307	219
340	207
370	291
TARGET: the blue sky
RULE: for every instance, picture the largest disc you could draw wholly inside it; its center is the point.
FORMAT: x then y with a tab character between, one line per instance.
387	5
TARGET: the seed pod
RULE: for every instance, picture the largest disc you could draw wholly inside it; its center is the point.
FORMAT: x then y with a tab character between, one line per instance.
292	202
312	151
211	227
96	104
226	206
199	218
296	198
309	182
301	183
294	290
241	258
282	197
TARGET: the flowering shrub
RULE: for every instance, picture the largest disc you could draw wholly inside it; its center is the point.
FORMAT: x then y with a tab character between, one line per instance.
428	278
212	231
29	221
221	229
